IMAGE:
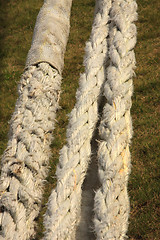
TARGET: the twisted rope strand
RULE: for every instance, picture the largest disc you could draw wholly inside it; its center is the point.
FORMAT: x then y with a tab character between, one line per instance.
111	199
63	213
25	161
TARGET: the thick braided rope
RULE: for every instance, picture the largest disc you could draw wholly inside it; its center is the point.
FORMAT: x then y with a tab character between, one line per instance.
63	213
25	161
111	199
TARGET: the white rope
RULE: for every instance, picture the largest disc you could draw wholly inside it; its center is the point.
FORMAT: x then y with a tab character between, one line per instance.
63	213
51	34
111	199
25	161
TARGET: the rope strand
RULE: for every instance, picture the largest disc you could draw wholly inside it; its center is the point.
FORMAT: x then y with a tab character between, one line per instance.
109	67
25	161
63	213
111	199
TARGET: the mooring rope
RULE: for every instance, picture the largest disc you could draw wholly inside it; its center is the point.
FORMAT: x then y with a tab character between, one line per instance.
63	213
25	161
111	200
109	67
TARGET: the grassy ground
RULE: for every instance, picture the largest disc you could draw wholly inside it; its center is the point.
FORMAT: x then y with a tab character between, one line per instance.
17	23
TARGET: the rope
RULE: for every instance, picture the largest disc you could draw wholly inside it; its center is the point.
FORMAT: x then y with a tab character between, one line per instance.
109	62
63	213
25	161
111	199
51	34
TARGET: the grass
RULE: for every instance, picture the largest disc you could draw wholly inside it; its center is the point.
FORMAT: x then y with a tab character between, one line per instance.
145	177
17	24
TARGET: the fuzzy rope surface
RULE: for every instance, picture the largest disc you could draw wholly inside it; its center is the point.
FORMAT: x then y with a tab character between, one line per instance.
25	161
115	130
109	53
63	213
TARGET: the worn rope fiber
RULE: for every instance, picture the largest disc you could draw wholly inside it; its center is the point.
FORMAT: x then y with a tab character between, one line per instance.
24	164
109	64
111	200
63	213
25	161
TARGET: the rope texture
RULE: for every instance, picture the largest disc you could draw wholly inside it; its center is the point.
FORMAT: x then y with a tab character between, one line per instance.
25	161
111	200
63	213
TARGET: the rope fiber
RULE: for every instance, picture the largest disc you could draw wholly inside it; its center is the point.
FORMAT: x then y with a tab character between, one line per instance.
24	164
25	161
63	213
111	200
103	102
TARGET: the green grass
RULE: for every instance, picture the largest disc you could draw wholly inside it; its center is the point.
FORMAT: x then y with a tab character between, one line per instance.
145	177
17	24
